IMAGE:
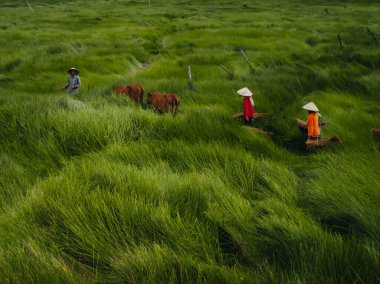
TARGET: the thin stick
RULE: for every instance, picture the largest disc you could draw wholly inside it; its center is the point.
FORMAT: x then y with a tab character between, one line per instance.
228	71
190	81
30	6
372	34
20	124
246	59
340	40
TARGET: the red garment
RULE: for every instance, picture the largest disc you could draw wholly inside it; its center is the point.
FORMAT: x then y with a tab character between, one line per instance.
248	108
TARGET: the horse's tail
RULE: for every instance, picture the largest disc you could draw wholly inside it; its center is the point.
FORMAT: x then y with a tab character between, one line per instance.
176	102
147	98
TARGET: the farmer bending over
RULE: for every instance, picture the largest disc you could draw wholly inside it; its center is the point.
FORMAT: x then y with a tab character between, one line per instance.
248	105
73	82
313	130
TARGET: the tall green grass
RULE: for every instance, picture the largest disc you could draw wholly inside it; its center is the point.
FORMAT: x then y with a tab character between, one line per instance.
94	188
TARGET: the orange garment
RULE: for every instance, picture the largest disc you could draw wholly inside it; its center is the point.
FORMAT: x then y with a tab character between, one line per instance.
312	125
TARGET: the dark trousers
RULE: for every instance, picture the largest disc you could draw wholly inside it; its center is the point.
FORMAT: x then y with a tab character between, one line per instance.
248	120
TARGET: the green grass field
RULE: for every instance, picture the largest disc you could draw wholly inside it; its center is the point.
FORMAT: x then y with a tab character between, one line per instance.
96	189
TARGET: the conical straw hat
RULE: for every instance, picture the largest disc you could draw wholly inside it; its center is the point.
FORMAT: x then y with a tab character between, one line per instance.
245	92
73	69
311	107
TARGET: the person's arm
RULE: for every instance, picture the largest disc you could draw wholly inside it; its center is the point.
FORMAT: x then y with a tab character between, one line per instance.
252	102
77	83
317	130
67	85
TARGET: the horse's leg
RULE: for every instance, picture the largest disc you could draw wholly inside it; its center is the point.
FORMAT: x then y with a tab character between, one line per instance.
170	108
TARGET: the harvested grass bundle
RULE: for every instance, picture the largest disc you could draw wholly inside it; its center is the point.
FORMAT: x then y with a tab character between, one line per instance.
240	116
320	143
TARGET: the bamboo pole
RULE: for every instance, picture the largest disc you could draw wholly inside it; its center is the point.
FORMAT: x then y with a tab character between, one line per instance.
189	79
231	75
246	59
30	6
340	40
372	34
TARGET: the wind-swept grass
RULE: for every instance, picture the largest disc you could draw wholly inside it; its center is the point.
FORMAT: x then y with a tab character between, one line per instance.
94	188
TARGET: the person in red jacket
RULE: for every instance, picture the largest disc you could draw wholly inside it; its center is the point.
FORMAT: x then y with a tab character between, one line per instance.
313	130
248	105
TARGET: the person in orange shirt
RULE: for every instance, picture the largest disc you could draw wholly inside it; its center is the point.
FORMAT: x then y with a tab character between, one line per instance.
313	130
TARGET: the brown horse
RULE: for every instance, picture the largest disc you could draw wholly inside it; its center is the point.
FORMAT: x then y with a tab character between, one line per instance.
376	132
164	102
134	91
